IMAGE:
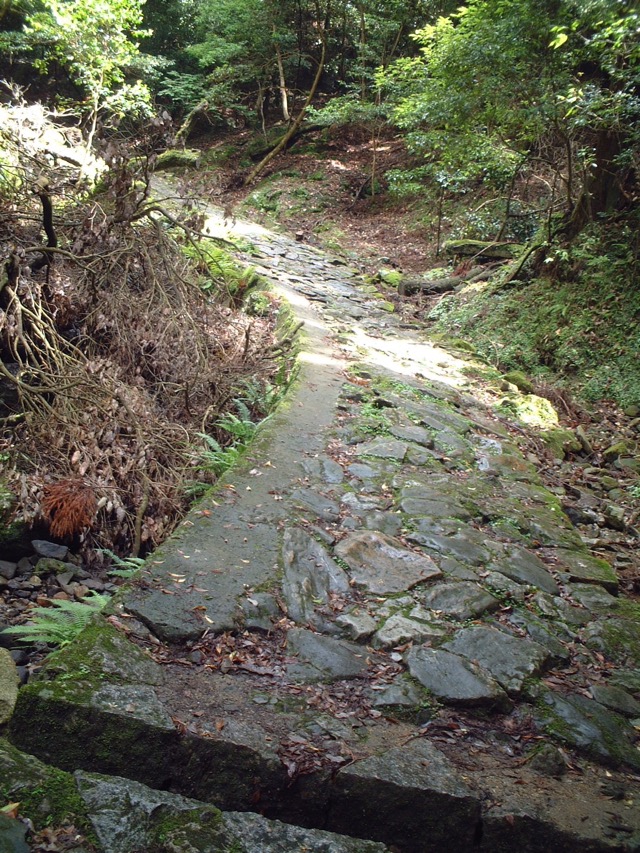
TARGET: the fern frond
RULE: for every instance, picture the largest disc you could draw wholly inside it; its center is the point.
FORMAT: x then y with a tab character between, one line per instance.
61	623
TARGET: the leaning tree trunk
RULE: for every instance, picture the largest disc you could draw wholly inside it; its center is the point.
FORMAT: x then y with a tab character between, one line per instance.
284	100
295	125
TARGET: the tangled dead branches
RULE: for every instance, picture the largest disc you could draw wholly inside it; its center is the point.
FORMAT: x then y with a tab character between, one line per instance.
111	366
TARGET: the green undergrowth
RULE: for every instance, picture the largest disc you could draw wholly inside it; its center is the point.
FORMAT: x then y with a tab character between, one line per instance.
577	324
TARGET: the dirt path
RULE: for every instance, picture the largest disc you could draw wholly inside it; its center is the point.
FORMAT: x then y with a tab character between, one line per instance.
381	623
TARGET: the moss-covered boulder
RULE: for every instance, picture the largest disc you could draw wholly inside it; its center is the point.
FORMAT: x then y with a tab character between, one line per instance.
517	378
561	442
177	159
530	409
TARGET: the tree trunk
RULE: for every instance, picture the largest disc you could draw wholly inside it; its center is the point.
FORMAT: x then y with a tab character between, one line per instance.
441	285
282	84
602	188
295	125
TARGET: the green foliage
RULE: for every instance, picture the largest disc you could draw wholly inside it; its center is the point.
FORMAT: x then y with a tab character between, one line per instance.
182	89
95	41
222	276
126	567
261	397
240	429
347	109
61	623
216	458
578	323
498	81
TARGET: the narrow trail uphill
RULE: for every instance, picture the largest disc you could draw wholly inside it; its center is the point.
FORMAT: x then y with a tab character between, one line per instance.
380	632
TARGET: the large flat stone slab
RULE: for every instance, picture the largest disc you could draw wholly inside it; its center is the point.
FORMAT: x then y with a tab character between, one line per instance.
460	600
323	507
199	578
384	448
583	568
382	564
310	578
433	501
591	728
128	816
510	660
455	680
322	658
410	796
524	567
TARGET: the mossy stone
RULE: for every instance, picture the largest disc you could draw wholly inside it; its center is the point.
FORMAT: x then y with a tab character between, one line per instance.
173	159
517	378
532	410
392	277
614	451
561	441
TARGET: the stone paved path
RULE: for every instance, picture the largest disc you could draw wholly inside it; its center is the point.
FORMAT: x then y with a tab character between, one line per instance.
380	624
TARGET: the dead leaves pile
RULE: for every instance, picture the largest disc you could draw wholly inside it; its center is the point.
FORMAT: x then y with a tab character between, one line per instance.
123	360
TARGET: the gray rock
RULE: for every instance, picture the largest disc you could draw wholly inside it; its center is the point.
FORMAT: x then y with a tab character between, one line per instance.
549	761
260	611
451	540
323	468
323	507
311	577
255	834
455	680
384	448
542	632
129	816
618	638
49	549
449	443
556	607
629	679
594	598
7	569
502	585
323	658
523	566
436	499
583	568
399	629
404	700
417	434
361	504
616	699
508	466
359	626
460	600
105	650
9	682
362	471
138	702
12	835
404	796
384	565
591	728
385	522
510	660
442	418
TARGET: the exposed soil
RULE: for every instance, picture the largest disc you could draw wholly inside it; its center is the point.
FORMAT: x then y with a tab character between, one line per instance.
338	210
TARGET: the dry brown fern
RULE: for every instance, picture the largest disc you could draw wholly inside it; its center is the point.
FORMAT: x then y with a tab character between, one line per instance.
68	506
